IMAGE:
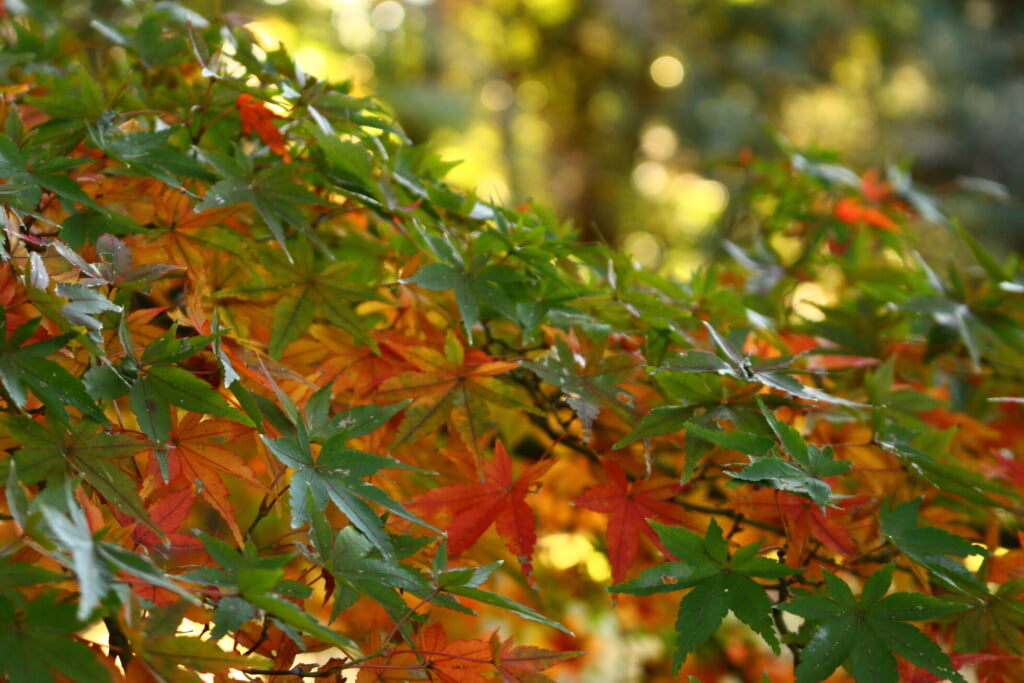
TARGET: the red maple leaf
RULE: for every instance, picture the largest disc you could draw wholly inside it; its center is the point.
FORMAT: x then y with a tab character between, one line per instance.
873	189
169	513
473	507
257	117
629	505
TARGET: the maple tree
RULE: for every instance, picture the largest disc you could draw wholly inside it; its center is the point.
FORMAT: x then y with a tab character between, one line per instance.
275	399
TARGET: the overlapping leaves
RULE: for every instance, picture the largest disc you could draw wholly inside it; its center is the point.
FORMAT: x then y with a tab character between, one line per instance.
281	240
719	583
863	633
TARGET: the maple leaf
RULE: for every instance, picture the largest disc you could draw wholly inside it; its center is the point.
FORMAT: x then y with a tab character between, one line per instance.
865	632
805	521
197	456
48	452
168	513
26	366
522	663
629	505
774	372
36	654
720	583
588	381
1009	565
190	237
910	673
306	288
931	547
852	212
455	386
995	616
464	582
257	117
498	500
458	661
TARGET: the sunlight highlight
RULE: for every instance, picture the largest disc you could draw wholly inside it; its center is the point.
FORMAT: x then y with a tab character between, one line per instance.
667	71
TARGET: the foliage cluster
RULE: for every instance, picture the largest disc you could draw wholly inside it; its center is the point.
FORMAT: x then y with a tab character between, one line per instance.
265	376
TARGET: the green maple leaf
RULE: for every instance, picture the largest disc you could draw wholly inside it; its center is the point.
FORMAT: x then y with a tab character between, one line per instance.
997	616
25	367
719	583
926	455
337	475
258	583
275	192
153	385
28	176
803	473
96	563
358	568
149	153
308	288
51	452
588	383
465	581
864	633
38	639
474	286
931	547
775	373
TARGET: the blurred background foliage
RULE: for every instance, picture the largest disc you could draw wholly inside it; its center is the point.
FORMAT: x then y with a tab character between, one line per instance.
629	116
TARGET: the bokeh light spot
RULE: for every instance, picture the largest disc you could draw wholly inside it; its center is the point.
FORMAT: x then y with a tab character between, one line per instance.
564	551
646	248
598	568
658	142
532	95
387	16
667	71
650	177
699	201
497	95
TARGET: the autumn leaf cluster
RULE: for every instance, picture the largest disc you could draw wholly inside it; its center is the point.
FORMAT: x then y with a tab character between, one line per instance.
275	399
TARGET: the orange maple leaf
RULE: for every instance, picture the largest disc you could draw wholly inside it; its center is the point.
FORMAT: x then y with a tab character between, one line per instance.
257	117
196	454
1008	566
822	359
629	505
473	507
455	386
873	189
523	664
458	661
181	236
805	520
852	212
